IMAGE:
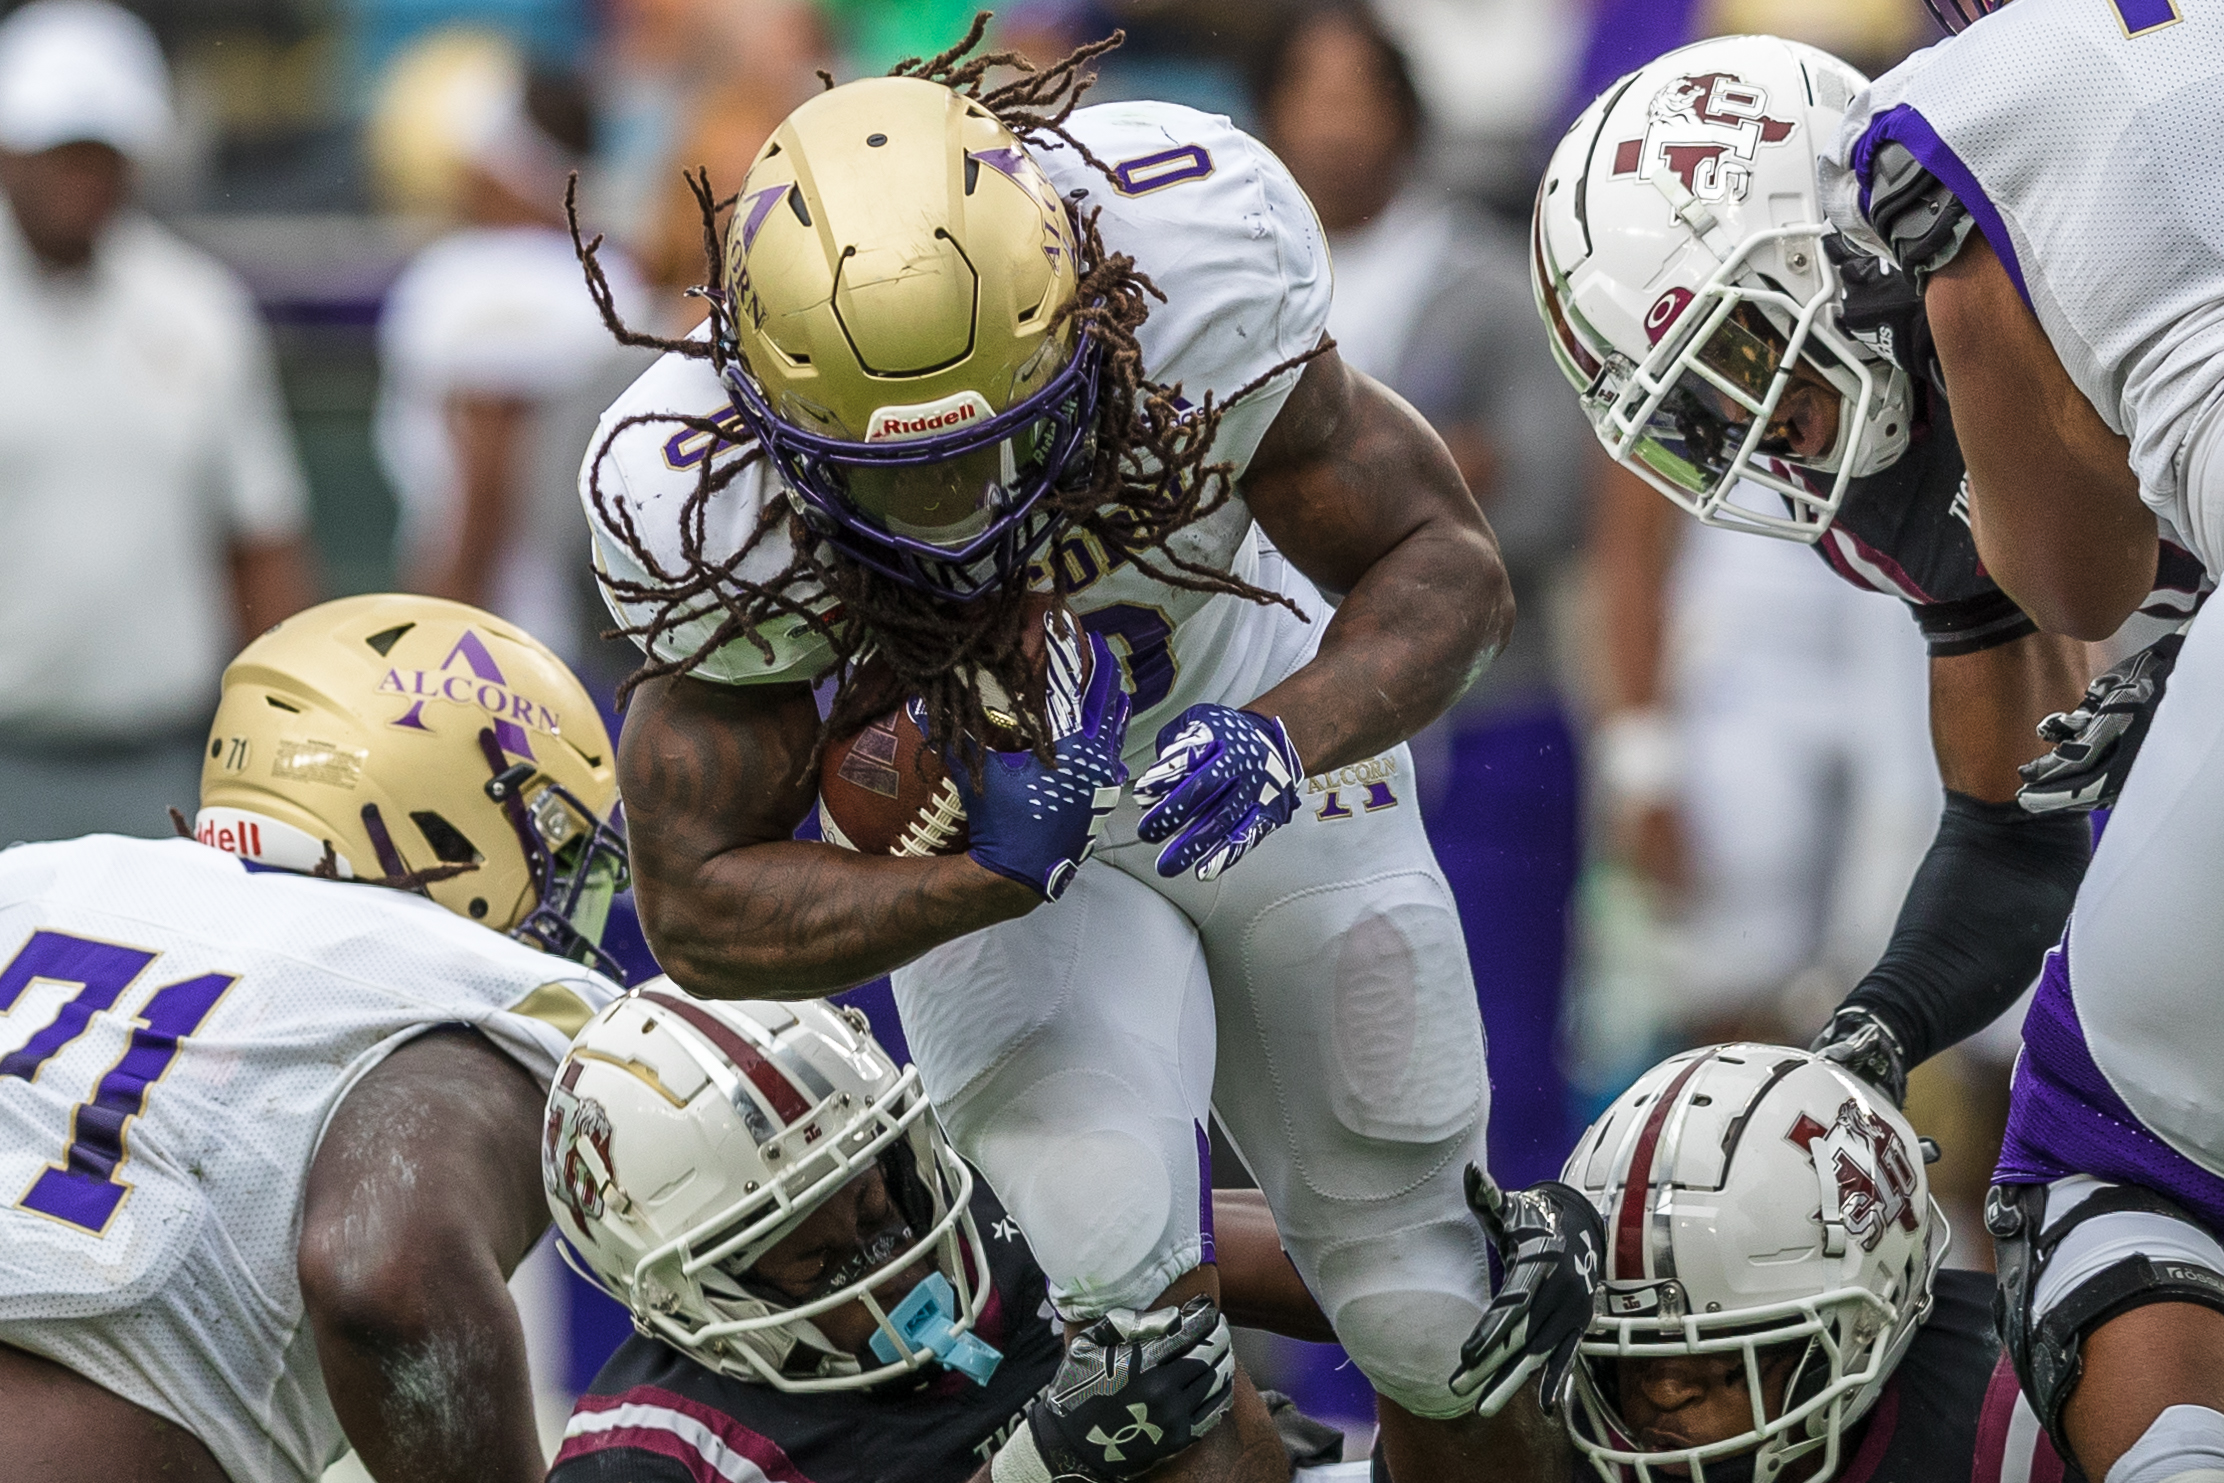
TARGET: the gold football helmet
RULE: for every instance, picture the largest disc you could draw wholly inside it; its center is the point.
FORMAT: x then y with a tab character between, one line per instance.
896	276
424	744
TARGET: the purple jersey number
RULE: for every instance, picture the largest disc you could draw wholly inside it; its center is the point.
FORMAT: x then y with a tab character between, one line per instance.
84	1189
1138	636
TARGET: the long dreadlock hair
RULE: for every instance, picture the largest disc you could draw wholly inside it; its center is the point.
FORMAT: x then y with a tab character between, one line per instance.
1149	475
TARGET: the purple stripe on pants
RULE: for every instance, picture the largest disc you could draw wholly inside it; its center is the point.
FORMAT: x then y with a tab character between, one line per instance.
2064	1118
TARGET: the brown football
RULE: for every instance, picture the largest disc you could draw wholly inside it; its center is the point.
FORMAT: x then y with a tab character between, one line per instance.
881	792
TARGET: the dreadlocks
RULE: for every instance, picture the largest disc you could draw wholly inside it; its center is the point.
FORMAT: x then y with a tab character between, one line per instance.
1149	474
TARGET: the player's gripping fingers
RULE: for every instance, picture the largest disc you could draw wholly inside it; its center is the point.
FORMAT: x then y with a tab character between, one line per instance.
1224	780
1038	824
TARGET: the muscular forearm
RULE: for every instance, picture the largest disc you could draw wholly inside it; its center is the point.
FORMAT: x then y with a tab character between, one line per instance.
1987	902
1415	632
796	920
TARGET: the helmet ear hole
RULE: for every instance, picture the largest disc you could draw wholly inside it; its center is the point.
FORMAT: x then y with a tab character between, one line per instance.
449	844
478	908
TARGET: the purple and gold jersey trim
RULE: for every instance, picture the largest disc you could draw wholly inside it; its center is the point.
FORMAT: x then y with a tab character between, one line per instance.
2064	1118
1911	131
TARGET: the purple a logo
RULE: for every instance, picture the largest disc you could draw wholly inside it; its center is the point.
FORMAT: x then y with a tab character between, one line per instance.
469	676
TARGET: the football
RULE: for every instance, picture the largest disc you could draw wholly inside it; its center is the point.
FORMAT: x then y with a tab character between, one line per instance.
882	792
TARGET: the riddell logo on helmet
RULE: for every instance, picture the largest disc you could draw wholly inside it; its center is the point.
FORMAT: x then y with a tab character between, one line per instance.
1706	130
1862	1155
901	424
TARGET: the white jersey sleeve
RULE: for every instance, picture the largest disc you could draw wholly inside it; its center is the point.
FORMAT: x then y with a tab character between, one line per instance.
1215	222
2082	137
175	1034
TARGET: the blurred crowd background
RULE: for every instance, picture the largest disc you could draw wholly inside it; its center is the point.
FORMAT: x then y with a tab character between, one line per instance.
288	311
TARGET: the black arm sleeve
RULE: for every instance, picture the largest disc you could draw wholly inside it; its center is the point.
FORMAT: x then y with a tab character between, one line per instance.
1988	901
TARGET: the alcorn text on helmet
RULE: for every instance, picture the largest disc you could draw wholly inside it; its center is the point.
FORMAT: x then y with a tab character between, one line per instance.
426	744
1757	1200
686	1137
1678	260
895	280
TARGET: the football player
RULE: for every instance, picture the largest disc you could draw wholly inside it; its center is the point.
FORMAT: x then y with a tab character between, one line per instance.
968	345
1775	1305
824	1291
1691	288
269	1095
2045	180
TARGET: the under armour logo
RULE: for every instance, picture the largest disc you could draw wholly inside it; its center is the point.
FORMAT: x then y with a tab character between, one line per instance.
1140	1427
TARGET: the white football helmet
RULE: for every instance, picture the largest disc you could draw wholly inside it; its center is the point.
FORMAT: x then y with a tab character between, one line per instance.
1677	257
1754	1196
685	1137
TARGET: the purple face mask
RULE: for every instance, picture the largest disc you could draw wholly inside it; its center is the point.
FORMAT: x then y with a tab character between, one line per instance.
1057	420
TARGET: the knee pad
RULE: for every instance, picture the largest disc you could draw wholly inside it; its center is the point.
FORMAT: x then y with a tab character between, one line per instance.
2121	1247
1402	1303
1110	1193
2185	1445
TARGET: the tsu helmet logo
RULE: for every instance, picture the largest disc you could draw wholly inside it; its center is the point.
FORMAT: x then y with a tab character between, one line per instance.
1863	1157
576	1168
1705	130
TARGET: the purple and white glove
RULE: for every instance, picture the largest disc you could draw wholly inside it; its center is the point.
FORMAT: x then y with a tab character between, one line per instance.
1036	824
1224	780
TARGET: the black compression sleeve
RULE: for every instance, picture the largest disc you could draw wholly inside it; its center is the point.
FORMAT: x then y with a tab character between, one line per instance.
1989	900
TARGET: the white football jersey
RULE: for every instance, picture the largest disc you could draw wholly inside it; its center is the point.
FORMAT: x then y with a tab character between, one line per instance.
1214	220
2083	136
175	1032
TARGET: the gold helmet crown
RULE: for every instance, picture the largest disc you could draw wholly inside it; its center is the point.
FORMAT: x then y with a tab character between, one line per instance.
425	744
898	273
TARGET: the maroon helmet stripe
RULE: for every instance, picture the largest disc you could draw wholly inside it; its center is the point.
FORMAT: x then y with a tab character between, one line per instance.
1629	1221
778	1091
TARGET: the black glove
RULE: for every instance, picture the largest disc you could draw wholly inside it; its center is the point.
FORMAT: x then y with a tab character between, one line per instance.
2095	745
1552	1244
1857	1040
1135	1389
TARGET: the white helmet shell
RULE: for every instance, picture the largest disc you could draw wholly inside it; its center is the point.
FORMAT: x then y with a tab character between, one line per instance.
685	1137
1754	1196
1678	261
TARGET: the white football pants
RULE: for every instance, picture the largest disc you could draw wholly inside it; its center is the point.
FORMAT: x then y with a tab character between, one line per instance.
1316	998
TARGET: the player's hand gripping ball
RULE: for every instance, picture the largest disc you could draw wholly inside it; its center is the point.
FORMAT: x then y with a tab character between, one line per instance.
1550	1243
1224	780
882	791
1037	824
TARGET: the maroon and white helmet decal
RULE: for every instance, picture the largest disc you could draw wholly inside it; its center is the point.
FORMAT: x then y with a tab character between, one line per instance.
584	1166
1706	129
1867	1178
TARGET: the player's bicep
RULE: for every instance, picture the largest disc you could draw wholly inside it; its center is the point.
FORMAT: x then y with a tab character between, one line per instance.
431	1154
1986	707
1347	472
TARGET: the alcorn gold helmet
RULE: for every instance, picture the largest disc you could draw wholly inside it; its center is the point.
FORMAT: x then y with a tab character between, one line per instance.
425	744
897	276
